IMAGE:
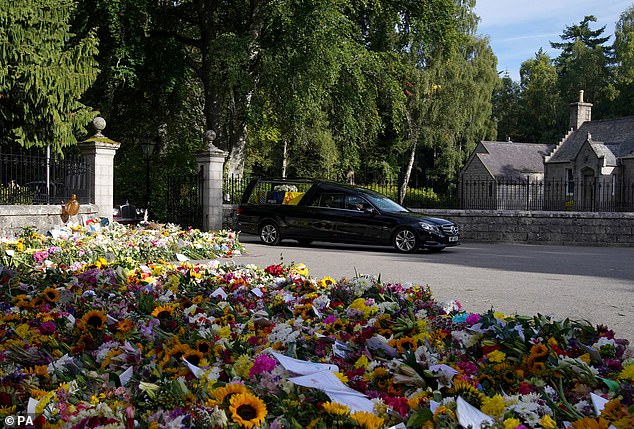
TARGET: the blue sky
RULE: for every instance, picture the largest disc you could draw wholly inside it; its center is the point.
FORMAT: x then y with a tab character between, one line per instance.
518	28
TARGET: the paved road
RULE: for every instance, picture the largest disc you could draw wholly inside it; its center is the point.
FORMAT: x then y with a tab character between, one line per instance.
589	283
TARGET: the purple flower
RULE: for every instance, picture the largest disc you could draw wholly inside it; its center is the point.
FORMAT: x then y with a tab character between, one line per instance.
263	363
473	318
47	328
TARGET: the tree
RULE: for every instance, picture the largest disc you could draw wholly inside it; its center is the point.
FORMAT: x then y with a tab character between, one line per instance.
624	63
540	100
584	64
449	109
44	71
506	105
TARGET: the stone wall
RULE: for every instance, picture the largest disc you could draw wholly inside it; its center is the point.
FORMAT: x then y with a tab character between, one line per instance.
543	227
43	218
532	227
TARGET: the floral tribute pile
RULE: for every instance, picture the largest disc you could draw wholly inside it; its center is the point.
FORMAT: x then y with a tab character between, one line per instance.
76	246
112	344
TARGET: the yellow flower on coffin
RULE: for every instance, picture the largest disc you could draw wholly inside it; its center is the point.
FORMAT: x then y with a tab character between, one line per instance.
247	410
367	420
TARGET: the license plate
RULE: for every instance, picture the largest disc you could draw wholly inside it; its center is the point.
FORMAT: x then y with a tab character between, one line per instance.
453	238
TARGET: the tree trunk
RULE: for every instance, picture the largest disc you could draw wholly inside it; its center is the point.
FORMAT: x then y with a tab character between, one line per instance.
408	171
285	159
410	165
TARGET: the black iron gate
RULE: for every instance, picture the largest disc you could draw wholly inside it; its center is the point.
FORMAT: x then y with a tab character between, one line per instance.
185	200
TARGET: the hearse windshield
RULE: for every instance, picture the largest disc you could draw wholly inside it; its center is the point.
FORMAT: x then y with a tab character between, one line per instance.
383	203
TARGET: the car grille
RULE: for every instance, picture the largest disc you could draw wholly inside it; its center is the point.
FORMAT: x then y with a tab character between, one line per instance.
450	229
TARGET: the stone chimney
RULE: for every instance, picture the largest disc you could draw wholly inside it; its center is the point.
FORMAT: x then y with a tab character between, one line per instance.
580	112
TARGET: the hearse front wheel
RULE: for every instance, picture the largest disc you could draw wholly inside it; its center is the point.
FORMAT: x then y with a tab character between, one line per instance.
405	240
270	233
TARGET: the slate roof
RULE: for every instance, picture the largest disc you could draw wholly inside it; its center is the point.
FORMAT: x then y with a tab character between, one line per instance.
617	135
512	159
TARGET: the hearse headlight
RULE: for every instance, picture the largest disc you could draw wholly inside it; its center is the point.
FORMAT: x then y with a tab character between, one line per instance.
429	227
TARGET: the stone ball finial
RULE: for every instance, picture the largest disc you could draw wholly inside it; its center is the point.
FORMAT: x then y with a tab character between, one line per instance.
99	124
210	136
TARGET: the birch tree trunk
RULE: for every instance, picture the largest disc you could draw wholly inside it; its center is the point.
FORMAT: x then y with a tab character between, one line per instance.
410	165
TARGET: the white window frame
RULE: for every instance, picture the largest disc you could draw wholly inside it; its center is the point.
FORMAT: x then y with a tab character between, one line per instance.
570	182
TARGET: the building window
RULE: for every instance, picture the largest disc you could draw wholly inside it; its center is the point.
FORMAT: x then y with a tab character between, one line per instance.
570	182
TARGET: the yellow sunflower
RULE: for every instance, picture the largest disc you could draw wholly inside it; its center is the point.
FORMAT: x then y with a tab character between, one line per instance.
203	346
590	423
539	351
163	311
367	420
50	295
220	394
193	356
336	409
94	319
247	410
327	282
469	392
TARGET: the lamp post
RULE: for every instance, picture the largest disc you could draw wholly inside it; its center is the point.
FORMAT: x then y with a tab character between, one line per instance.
148	148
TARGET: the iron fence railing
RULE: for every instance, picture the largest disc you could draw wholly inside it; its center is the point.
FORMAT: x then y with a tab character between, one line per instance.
503	193
589	194
30	177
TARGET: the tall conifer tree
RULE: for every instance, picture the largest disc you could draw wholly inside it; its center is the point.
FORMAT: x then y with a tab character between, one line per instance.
44	71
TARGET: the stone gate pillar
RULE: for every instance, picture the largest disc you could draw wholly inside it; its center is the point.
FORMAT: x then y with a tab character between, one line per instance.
210	164
99	152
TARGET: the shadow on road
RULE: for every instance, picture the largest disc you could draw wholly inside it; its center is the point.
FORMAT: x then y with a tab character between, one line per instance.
605	262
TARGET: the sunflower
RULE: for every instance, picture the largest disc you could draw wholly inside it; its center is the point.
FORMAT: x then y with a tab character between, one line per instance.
193	356
327	282
335	409
367	420
176	351
247	410
590	423
405	344
469	392
220	394
8	400
124	325
94	319
539	351
50	295
203	346
163	312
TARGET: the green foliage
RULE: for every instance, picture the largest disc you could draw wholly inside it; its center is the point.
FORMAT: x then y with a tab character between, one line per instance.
584	65
44	71
624	63
540	99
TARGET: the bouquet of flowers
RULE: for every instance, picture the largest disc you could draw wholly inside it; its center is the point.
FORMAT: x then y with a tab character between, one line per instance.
181	344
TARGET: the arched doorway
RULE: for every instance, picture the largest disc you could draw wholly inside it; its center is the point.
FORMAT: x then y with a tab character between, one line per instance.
588	188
